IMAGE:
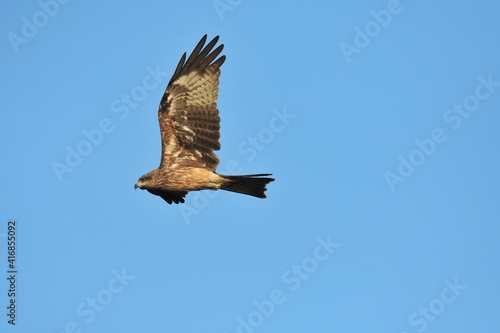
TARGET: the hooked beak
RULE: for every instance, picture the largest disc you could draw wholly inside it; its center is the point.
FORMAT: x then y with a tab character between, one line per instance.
136	187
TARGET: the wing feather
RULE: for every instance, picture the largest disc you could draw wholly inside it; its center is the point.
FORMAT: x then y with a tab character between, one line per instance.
188	115
169	196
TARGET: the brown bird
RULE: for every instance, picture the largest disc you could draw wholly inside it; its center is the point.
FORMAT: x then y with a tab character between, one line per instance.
189	125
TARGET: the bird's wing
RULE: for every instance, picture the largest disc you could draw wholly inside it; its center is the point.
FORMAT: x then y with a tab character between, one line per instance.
169	196
188	115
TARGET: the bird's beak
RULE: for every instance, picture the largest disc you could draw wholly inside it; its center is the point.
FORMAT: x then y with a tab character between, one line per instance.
136	187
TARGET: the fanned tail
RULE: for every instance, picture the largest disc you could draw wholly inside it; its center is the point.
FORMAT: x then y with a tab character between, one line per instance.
254	185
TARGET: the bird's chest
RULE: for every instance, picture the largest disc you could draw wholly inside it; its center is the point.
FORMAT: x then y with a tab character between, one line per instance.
188	179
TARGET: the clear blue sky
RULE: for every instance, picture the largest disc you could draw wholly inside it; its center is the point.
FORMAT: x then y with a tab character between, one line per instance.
379	120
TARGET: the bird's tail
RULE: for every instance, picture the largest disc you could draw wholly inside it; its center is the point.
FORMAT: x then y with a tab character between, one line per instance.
254	185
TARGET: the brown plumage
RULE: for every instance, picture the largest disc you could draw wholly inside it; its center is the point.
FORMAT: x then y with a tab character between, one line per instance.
189	125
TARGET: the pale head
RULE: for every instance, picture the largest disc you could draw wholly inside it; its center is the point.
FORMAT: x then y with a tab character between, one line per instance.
146	181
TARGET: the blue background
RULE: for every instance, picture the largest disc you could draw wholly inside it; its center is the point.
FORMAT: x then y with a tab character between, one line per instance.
364	85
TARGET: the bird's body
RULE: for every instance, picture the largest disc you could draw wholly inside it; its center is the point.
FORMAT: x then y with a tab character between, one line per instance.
189	125
183	179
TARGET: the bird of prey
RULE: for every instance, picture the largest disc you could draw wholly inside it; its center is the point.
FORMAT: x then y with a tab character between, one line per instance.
189	125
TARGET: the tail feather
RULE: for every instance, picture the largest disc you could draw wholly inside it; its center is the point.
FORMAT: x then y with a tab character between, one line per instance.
254	185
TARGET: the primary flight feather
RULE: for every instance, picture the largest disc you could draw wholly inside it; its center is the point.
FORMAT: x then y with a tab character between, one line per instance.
189	125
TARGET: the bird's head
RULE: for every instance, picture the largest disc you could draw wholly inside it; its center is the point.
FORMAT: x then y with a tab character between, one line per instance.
145	181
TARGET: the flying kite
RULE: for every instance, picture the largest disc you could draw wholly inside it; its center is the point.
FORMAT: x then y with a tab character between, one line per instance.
189	125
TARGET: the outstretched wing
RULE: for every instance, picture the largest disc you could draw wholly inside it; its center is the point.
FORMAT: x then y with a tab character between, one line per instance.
169	196
188	114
